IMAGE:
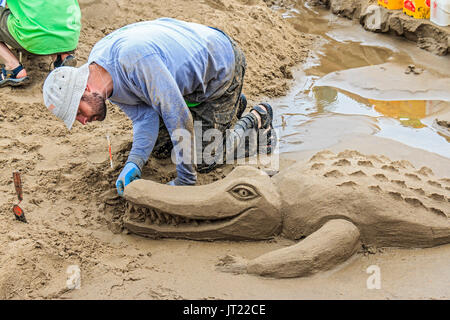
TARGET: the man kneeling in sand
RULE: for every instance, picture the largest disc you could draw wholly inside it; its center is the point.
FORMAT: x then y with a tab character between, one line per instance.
163	74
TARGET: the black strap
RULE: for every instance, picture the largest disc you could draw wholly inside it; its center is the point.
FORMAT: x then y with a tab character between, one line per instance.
12	74
58	62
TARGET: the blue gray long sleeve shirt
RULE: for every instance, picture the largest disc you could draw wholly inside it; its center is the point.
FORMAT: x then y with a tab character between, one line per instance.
154	66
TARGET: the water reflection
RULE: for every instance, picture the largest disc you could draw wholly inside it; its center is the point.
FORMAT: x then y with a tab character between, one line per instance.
407	122
312	117
408	112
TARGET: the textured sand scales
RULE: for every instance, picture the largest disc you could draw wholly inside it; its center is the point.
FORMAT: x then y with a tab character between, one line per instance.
379	175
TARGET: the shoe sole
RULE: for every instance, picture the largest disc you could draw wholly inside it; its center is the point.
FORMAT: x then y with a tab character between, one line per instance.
14	82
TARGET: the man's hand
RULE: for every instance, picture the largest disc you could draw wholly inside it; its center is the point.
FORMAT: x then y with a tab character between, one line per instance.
129	173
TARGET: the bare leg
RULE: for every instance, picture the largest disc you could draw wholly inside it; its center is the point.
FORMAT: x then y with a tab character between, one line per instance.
10	60
336	241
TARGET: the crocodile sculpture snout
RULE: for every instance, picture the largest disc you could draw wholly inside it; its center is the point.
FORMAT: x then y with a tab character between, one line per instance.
243	206
331	205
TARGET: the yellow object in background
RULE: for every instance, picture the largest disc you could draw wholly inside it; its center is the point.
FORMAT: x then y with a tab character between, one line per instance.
408	113
419	9
391	4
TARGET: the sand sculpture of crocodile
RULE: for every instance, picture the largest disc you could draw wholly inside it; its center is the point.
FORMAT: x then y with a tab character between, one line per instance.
332	205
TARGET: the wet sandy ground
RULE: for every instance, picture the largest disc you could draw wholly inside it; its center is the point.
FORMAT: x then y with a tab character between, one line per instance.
161	272
65	173
160	268
69	228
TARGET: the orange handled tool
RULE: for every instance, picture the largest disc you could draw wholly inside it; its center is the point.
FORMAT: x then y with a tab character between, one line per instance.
18	212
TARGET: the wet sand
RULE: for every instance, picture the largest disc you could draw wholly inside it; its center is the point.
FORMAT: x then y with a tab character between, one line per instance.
405	274
65	175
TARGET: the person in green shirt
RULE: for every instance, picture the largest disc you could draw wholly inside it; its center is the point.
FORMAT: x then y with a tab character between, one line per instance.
41	27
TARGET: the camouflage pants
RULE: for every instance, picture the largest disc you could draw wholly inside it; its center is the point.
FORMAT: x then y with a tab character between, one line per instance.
5	35
220	113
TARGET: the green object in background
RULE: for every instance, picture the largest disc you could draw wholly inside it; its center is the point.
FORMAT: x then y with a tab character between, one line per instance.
192	104
45	27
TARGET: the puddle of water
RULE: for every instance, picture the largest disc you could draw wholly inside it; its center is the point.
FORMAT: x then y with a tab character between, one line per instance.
308	107
408	122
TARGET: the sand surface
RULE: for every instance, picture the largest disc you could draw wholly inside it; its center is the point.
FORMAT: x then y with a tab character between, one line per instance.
389	82
67	175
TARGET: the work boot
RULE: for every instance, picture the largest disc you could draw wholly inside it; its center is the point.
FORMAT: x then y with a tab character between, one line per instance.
266	136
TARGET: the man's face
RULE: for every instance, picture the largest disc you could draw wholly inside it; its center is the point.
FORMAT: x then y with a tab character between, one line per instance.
92	108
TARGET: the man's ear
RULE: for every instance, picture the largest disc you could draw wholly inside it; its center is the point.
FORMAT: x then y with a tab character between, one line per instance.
88	88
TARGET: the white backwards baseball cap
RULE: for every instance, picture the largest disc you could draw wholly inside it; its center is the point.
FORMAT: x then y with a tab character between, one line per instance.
62	92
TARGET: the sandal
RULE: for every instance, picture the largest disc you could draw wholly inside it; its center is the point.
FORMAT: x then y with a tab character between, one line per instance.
69	61
9	77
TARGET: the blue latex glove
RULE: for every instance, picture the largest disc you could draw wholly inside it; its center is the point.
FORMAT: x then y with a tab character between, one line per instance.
129	173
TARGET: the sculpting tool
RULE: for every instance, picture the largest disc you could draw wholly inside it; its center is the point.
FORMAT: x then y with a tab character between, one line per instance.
109	149
18	212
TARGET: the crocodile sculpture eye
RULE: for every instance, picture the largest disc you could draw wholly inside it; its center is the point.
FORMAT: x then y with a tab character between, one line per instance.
243	192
